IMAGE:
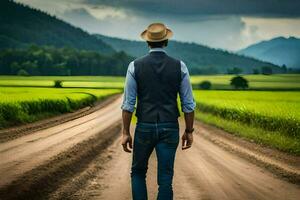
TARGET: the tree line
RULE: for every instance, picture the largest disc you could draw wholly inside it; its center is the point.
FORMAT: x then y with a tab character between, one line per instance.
47	60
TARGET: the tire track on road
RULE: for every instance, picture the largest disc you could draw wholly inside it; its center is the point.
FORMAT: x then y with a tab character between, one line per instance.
25	153
206	171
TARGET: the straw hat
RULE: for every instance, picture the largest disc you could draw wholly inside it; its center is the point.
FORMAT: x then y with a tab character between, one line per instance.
156	32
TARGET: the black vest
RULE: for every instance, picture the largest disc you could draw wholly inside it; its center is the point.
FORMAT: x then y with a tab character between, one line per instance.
158	78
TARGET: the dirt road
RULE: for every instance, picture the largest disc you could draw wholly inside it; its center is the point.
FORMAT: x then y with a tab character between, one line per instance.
25	153
206	171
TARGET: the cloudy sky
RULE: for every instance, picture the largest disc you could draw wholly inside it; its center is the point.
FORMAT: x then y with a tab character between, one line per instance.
227	24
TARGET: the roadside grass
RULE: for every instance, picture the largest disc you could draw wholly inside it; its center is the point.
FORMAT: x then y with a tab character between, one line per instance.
272	111
19	105
288	126
272	139
270	118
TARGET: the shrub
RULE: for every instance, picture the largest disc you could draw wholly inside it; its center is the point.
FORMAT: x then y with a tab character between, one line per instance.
205	85
58	84
266	70
239	82
255	71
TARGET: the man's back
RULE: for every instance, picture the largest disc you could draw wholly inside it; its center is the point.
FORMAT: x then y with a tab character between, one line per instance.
158	78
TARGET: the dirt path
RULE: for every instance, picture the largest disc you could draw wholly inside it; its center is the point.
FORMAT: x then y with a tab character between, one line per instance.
211	169
25	153
206	171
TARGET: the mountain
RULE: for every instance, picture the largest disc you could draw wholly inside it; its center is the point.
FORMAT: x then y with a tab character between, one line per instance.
21	26
200	59
35	43
281	51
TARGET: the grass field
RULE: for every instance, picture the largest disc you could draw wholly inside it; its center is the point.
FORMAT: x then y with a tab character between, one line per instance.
267	117
269	112
26	104
256	82
68	81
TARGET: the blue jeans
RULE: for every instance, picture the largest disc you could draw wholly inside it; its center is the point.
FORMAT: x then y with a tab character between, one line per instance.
164	137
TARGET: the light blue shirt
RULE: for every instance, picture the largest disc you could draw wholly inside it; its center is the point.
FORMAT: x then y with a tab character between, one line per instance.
185	92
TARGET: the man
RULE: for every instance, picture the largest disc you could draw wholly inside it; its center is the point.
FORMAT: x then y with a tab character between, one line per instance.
155	80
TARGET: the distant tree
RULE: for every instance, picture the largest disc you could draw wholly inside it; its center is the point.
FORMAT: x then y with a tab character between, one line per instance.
294	71
58	84
239	82
234	70
255	71
22	72
205	85
14	68
31	67
45	60
266	70
205	70
284	68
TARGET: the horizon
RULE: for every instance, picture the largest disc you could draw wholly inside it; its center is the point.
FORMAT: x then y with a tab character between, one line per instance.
135	40
232	30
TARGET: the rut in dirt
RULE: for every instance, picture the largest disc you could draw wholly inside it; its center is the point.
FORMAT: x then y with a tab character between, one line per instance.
25	153
206	171
83	159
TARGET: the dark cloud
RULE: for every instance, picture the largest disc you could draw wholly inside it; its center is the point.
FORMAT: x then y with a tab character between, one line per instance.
280	8
228	24
81	18
212	31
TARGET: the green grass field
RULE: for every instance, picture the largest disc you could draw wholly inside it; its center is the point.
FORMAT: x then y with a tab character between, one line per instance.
269	112
68	81
26	104
267	117
256	82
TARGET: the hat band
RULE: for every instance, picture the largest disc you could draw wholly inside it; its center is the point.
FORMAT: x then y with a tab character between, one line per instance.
157	35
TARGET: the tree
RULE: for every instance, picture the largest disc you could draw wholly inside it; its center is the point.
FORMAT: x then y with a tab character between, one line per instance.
31	67
14	68
234	70
58	84
205	70
255	71
205	85
266	70
284	68
239	82
45	60
22	72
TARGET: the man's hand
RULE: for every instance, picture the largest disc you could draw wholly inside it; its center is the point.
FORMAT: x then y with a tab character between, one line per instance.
126	141
187	140
126	138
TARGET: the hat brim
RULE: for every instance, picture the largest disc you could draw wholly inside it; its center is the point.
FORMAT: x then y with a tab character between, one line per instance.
144	36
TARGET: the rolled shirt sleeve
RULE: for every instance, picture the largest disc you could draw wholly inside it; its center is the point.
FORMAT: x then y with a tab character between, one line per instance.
130	90
188	103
